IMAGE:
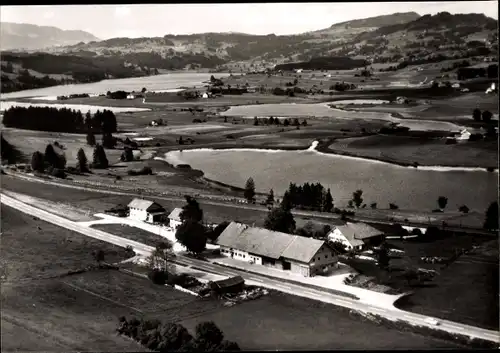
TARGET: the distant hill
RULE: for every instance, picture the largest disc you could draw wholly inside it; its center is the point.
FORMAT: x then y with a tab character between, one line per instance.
23	36
401	38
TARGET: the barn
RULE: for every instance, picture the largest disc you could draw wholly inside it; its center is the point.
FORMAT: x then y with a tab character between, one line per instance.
146	211
283	251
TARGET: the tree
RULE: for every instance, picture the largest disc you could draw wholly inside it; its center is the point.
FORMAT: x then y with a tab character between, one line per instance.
191	211
383	257
99	256
143	90
91	139
82	164
270	198
217	231
442	202
487	116
160	256
9	153
249	192
328	202
373	206
108	141
280	219
476	114
127	154
50	157
491	217
192	235
99	158
209	332
357	199
286	201
37	163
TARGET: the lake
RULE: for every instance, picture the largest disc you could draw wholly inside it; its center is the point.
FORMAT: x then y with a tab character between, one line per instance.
383	183
152	83
323	110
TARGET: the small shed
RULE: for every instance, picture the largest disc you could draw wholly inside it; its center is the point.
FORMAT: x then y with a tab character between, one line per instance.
175	218
230	285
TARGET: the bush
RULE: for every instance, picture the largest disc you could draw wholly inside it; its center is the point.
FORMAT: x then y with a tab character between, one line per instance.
393	206
58	173
158	277
143	171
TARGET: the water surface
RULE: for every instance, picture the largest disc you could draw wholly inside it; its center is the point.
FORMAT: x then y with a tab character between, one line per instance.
381	182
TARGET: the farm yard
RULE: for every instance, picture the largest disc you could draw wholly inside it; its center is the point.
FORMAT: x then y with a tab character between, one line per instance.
81	311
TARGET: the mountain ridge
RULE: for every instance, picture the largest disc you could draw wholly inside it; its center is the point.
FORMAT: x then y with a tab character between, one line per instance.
25	36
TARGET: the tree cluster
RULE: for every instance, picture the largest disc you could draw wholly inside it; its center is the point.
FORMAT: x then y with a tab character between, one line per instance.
59	120
192	233
9	153
173	337
310	231
309	196
484	116
276	121
341	87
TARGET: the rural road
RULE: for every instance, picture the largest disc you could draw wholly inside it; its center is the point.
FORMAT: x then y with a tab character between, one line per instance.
205	201
290	288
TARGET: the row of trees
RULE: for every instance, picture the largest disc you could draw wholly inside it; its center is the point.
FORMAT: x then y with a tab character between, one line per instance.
276	121
485	116
309	196
59	120
55	163
173	337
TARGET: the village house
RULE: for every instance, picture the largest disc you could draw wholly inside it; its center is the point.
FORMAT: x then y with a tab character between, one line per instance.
356	236
146	211
466	134
175	218
301	255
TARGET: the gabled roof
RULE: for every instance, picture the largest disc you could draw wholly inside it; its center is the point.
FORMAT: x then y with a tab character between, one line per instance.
355	233
145	205
264	242
175	214
229	282
302	249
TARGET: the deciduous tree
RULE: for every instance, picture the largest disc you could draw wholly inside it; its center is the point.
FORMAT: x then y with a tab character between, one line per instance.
192	235
357	198
280	219
191	210
37	163
442	202
476	114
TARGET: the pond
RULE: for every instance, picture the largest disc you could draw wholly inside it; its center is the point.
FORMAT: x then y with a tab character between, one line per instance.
153	83
383	183
323	110
4	105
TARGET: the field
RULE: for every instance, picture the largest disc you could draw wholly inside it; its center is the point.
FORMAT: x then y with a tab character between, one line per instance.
80	312
132	233
466	291
403	149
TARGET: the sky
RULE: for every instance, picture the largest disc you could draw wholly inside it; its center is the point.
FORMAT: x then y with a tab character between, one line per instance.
110	21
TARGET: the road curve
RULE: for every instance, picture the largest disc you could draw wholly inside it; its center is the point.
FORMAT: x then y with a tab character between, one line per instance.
203	200
142	249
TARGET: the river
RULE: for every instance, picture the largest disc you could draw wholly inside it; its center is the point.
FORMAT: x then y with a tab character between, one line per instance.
384	183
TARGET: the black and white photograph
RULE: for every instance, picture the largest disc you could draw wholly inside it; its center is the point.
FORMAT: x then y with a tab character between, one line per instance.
249	176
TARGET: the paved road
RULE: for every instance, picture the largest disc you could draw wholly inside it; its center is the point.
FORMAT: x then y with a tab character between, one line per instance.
255	278
204	201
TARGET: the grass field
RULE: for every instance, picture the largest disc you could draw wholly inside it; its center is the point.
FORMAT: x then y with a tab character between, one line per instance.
132	233
80	312
423	151
466	291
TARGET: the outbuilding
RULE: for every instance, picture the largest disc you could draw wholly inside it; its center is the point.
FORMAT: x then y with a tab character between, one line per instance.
146	211
175	218
356	235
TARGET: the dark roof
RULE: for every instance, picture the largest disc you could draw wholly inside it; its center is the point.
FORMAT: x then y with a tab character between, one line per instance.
264	242
230	282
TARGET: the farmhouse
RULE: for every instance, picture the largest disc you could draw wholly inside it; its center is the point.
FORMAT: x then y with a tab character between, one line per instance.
175	218
356	235
146	211
283	251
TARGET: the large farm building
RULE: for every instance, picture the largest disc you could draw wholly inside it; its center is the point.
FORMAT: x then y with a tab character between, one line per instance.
283	251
